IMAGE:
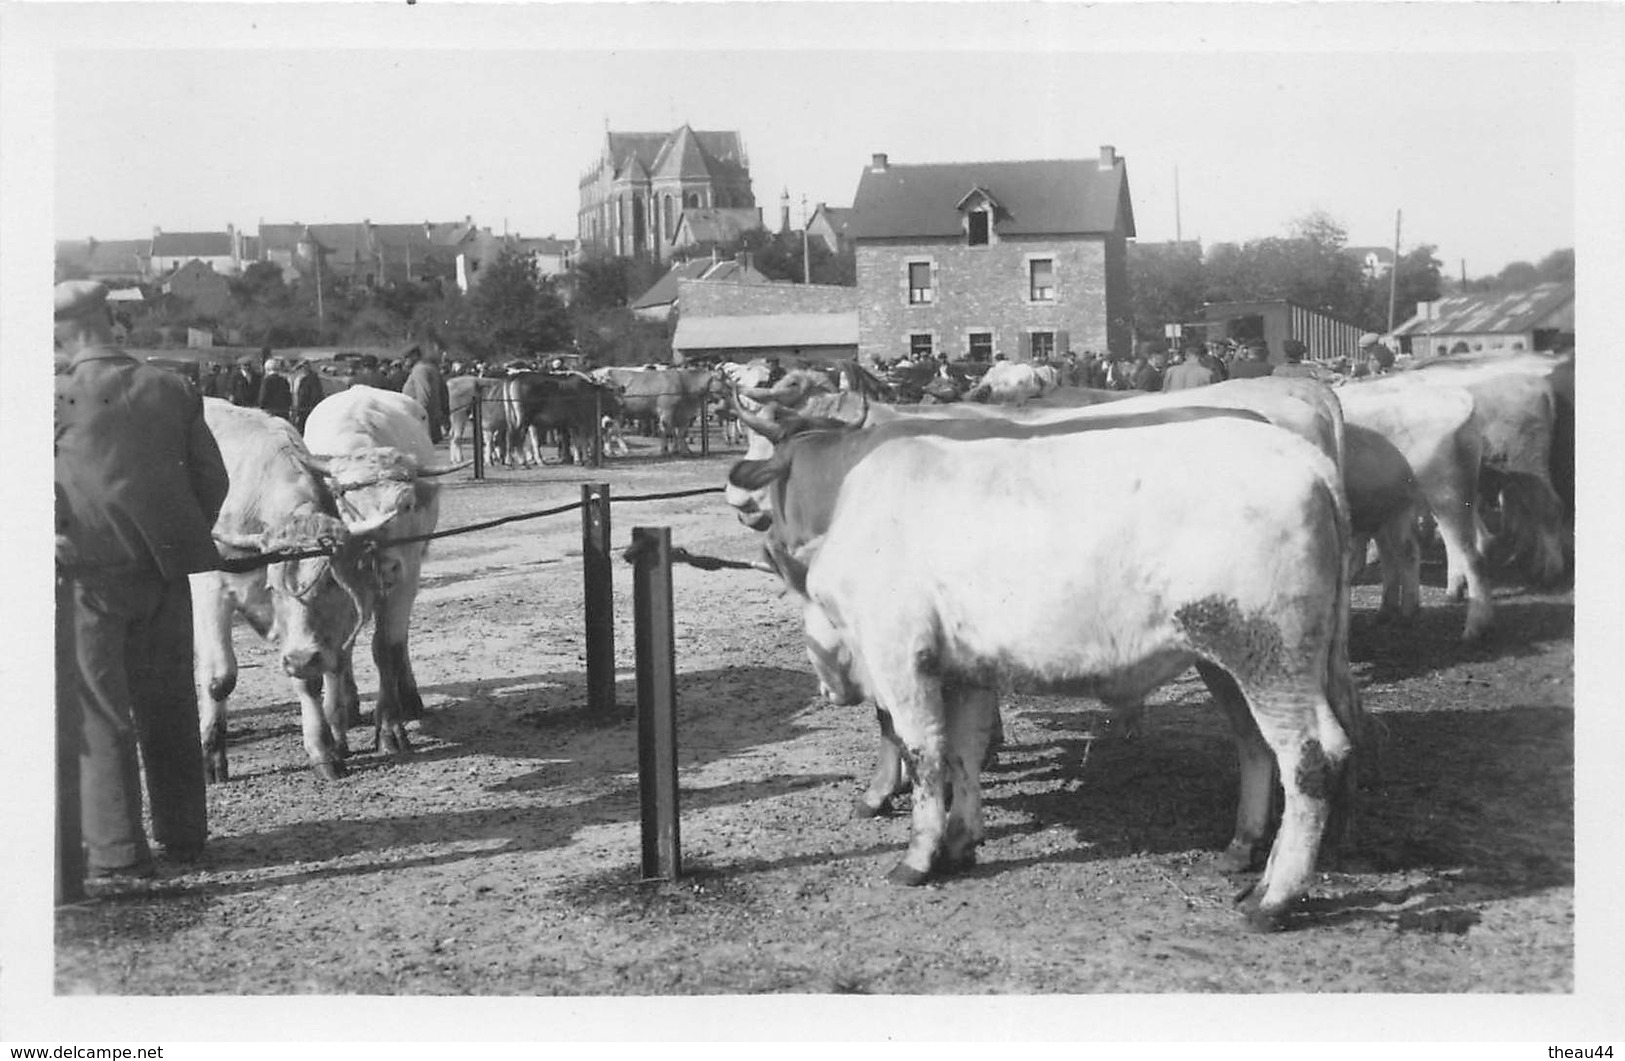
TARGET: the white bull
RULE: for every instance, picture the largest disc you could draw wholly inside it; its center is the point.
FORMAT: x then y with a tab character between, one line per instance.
311	609
380	466
1132	593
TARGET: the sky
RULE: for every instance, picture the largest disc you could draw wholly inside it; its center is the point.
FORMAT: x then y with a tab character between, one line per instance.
1476	149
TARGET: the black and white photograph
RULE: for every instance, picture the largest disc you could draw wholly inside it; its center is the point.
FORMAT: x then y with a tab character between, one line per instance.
946	522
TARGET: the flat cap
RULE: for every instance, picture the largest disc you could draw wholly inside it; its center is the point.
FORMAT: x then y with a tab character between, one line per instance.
1370	339
1294	348
75	298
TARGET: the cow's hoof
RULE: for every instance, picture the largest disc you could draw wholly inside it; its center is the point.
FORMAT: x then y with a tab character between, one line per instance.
1237	858
905	875
330	770
398	747
1250	892
1257	919
862	808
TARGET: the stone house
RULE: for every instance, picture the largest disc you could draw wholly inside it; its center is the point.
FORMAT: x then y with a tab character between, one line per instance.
829	225
224	252
1026	259
198	283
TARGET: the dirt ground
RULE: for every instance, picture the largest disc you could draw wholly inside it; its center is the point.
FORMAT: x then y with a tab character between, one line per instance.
503	857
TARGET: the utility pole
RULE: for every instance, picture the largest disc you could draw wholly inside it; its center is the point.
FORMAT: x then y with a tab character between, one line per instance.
321	318
1178	232
1393	273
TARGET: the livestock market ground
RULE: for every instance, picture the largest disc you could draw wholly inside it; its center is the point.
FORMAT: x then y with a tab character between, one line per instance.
502	859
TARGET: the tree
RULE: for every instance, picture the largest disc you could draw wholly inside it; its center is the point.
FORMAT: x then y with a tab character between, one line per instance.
1558	265
518	313
1418	277
1165	285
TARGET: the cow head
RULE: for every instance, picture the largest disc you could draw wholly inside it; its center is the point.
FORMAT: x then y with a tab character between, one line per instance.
374	486
318	604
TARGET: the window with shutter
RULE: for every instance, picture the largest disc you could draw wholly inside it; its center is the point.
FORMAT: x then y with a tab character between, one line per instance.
1041	280
919	283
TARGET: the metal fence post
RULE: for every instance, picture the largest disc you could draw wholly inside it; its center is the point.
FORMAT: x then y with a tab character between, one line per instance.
598	586
705	426
657	701
476	422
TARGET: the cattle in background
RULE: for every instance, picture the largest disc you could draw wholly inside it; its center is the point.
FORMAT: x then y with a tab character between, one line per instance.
671	397
1013	383
1517	404
1432	426
311	609
569	403
1131	594
493	421
381	467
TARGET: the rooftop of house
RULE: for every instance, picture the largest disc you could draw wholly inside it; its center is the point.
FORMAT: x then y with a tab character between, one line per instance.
1039	197
191	244
664	291
1501	312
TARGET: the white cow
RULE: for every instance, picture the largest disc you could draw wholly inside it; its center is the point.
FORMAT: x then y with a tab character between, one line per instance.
1013	383
1131	592
310	609
380	465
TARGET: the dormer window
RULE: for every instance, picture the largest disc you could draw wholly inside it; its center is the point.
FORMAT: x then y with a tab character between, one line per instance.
980	211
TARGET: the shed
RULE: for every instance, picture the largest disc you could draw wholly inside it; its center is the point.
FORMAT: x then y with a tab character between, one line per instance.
1277	320
1540	318
810	336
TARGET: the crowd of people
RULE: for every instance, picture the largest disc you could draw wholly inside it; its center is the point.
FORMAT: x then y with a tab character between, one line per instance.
1195	364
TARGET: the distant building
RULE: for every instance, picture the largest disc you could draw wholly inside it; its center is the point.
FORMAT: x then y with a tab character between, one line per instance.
662	298
796	323
1025	259
224	252
110	261
1374	261
636	192
1541	318
200	285
367	253
829	225
1276	320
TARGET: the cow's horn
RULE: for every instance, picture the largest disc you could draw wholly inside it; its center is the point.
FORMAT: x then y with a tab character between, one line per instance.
370	524
252	542
762	425
443	469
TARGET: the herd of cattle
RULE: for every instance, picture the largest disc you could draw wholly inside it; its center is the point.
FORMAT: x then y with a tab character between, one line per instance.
1073	542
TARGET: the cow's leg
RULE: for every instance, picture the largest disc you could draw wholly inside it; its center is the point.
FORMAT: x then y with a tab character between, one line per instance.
888	780
349	697
398	699
214	667
1310	749
1459	529
334	713
1257	768
972	713
324	756
915	703
1401	557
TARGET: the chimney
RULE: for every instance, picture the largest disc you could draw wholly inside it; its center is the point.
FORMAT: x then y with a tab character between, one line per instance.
784	210
877	164
1108	156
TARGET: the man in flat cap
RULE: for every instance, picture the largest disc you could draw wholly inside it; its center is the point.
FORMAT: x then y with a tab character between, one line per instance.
140	481
1253	362
276	396
307	392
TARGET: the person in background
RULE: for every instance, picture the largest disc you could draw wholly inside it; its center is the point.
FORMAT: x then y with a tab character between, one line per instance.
1294	366
275	396
368	375
1256	363
307	391
241	386
140	481
1210	355
1374	358
425	384
1190	372
395	378
1148	376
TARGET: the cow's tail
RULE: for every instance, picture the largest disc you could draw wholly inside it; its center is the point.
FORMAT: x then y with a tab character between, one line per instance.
1342	694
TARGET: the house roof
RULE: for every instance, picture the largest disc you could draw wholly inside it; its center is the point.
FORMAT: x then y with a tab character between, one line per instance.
664	291
1503	312
110	258
1041	197
838	218
768	330
719	225
191	245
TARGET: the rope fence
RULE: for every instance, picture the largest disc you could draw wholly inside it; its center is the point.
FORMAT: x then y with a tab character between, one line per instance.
240	564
